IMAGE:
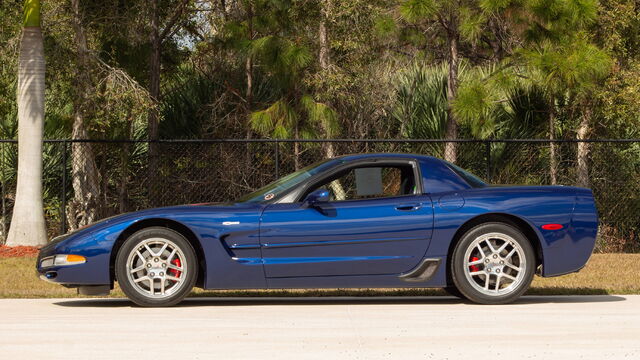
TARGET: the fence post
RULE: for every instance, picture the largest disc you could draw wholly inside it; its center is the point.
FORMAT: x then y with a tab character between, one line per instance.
487	155
63	210
277	159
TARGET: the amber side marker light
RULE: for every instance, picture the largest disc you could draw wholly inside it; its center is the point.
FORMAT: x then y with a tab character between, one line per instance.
552	226
62	260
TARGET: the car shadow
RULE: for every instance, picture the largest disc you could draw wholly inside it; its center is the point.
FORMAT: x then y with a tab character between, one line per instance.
343	300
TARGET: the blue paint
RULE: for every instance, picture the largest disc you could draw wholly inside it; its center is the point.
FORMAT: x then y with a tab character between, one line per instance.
346	229
363	243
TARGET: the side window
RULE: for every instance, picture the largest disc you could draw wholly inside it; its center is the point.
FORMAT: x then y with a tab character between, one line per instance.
370	182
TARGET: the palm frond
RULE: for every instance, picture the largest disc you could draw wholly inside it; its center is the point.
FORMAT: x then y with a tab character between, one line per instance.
278	120
421	101
322	115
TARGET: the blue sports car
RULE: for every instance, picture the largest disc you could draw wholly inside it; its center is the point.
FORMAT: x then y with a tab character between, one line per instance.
356	221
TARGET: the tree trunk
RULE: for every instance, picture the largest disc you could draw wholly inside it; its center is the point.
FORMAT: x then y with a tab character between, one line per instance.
583	148
553	157
84	207
323	55
249	62
27	223
451	130
323	60
154	93
248	69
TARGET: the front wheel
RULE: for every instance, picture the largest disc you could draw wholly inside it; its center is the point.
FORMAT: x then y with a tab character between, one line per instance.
156	266
493	263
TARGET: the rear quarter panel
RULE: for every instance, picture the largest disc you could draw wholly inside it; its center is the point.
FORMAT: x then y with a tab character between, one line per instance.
563	251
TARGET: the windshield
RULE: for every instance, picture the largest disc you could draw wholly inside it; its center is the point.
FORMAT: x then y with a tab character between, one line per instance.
282	185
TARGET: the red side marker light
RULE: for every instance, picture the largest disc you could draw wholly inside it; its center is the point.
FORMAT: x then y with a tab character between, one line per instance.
552	226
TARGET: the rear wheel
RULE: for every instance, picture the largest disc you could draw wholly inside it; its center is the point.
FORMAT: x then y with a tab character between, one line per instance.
493	263
156	267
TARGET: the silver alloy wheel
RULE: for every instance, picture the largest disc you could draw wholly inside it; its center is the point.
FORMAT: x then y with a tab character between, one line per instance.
495	264
157	268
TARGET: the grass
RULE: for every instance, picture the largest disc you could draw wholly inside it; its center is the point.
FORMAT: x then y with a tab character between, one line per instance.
604	274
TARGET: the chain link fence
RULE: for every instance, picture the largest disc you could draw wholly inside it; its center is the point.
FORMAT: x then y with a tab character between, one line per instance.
87	180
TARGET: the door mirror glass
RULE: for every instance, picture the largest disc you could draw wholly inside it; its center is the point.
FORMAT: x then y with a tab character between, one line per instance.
317	196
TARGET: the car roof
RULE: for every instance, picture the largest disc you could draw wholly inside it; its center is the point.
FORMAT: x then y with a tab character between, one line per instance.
439	178
351	157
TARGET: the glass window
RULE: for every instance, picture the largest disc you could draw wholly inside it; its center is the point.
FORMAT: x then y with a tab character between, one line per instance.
471	179
370	182
284	184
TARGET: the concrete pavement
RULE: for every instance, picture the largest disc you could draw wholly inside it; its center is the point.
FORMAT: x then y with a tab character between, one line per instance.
550	327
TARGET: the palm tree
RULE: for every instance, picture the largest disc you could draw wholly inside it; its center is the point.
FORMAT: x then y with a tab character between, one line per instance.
27	223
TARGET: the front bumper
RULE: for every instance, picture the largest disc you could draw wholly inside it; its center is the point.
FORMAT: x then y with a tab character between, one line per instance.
94	271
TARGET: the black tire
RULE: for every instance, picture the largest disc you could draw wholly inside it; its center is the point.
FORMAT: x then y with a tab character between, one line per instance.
481	274
453	291
185	278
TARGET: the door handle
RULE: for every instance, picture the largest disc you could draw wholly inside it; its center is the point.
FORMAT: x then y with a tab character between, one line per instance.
409	207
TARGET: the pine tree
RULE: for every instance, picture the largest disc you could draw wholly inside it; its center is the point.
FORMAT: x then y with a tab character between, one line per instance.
555	55
286	57
457	22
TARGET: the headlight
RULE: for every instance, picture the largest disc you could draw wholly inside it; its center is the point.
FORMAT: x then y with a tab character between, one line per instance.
62	260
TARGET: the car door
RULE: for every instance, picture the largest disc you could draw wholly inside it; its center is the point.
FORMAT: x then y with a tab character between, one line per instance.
384	233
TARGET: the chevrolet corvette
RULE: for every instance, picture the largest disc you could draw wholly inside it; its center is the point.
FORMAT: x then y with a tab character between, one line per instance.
355	221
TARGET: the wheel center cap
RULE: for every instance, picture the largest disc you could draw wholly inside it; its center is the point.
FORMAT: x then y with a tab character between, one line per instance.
156	271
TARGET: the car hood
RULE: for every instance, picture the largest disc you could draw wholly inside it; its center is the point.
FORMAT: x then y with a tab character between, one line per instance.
119	222
219	209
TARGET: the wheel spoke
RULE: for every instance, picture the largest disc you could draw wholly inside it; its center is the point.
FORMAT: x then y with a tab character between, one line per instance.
174	267
149	250
173	252
481	251
139	268
510	254
504	246
486	282
164	247
509	277
140	255
142	278
491	248
476	273
510	265
498	282
173	278
475	262
162	281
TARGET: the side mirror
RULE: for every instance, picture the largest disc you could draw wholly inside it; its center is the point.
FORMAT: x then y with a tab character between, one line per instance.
317	196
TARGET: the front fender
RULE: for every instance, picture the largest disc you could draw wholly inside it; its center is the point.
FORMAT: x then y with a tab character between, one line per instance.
95	244
214	227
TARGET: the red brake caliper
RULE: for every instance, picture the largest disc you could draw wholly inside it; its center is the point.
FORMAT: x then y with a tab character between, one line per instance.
474	268
174	272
